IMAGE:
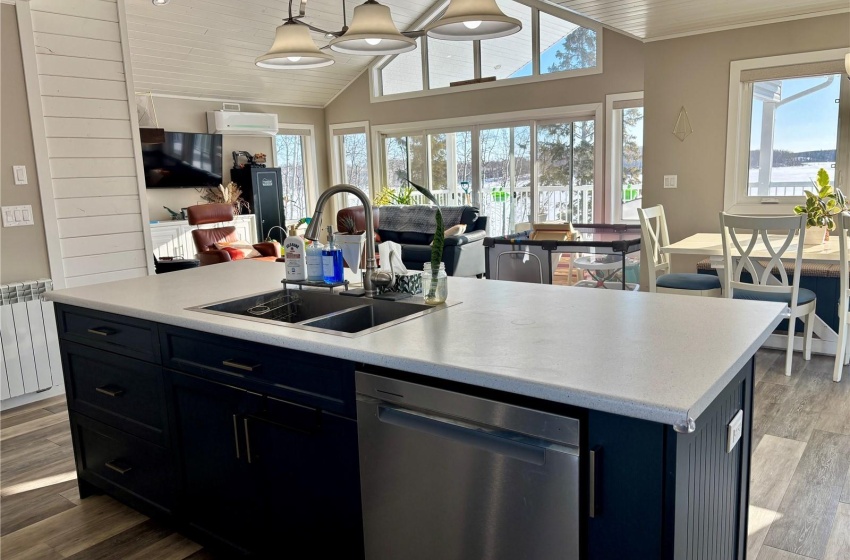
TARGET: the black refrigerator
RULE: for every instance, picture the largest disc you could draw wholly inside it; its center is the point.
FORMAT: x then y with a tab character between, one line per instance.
262	188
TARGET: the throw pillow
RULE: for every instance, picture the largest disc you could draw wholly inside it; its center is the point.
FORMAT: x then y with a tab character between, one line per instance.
456	230
235	254
248	251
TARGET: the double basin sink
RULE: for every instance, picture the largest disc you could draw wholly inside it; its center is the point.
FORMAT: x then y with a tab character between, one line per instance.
321	311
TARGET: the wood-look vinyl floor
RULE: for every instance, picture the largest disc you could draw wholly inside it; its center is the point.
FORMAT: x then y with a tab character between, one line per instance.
799	506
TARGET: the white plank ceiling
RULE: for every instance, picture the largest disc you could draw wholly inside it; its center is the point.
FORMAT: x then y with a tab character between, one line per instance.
656	19
206	48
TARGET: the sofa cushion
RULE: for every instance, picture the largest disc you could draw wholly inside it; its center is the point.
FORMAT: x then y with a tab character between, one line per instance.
416	254
406	237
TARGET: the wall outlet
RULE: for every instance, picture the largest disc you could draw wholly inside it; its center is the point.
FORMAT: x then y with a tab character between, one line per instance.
17	216
20	173
670	181
734	431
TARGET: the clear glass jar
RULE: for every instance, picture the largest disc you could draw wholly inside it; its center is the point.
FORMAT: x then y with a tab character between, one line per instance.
435	293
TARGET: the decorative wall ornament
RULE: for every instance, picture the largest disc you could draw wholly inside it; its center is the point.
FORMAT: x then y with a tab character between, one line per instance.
683	127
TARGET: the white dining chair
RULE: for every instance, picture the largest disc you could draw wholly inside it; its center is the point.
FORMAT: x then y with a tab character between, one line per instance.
744	234
842	358
653	232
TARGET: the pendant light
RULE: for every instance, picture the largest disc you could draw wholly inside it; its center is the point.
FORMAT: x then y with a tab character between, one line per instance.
372	32
473	20
293	48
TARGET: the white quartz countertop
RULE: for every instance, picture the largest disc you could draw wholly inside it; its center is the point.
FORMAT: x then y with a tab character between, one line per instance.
657	357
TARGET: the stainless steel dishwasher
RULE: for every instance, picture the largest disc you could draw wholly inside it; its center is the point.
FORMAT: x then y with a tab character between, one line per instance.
450	476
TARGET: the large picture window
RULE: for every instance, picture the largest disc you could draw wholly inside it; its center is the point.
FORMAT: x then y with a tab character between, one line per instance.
552	42
293	153
789	116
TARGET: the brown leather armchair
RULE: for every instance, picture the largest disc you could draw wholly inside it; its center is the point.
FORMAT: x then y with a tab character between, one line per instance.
205	239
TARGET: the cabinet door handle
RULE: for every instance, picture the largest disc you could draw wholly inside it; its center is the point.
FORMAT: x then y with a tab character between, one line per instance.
118	466
239	365
595	486
110	390
236	434
102	331
247	440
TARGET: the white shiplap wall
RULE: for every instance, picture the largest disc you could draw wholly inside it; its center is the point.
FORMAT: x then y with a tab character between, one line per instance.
89	130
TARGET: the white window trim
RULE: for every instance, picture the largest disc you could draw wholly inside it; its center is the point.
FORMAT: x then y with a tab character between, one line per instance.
738	121
555	11
496	120
613	209
308	143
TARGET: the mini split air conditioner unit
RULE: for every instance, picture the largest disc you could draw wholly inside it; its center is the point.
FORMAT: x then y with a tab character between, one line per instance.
244	124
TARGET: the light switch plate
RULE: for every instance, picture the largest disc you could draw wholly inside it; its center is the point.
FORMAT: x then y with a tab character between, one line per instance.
20	173
734	431
17	216
670	181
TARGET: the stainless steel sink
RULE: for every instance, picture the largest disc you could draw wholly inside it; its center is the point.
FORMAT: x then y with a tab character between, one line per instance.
320	311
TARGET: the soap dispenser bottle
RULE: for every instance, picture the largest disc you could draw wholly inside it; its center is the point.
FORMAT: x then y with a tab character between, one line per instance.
296	258
332	261
315	272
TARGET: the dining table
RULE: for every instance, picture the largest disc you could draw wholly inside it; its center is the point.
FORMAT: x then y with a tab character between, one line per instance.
710	245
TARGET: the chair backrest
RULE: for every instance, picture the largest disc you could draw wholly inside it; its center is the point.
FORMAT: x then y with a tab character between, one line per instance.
842	221
745	235
653	234
206	239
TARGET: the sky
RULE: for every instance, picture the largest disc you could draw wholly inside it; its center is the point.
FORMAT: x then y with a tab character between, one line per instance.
808	123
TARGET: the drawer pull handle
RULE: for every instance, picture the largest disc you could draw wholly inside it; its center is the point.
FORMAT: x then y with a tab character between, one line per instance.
102	331
239	365
110	390
118	466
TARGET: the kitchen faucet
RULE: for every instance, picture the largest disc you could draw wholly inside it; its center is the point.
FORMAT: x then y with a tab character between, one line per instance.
313	228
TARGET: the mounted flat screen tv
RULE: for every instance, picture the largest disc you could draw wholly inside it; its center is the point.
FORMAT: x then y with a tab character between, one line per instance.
185	159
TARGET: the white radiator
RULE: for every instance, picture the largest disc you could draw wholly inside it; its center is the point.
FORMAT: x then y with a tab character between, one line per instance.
29	341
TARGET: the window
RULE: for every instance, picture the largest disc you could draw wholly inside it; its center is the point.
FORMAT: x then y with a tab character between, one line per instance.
355	160
625	149
289	156
789	116
519	171
551	41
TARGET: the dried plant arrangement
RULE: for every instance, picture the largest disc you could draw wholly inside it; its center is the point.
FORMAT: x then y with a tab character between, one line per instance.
231	194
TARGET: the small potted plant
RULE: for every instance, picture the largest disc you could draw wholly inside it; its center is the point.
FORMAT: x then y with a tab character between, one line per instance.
434	280
822	205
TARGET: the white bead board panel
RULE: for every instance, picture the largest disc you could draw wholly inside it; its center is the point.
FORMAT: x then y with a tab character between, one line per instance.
89	132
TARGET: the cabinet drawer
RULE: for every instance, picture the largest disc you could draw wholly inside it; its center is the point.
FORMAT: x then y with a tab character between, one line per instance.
112	459
116	333
125	393
319	381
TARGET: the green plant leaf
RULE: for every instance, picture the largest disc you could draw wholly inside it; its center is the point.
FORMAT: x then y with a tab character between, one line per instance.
799	209
810	195
439	237
823	177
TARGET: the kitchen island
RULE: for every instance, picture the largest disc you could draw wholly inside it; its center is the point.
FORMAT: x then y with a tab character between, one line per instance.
209	406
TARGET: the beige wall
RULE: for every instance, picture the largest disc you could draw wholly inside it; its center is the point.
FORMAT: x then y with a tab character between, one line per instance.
623	71
694	72
23	249
185	115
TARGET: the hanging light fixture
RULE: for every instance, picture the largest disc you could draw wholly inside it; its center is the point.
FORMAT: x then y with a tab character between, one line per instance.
293	48
372	32
473	20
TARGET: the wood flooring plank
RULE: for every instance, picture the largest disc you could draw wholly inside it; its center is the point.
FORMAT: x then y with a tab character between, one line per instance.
30	406
72	495
25	508
770	553
94	520
766	402
776	372
33	425
825	460
758	524
35	438
764	361
38	552
172	547
123	544
58	407
838	547
793	419
202	554
804	519
23	418
773	465
845	494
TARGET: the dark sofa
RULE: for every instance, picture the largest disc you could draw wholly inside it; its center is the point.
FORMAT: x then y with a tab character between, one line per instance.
462	254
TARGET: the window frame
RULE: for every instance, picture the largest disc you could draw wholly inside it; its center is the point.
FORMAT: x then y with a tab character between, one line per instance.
336	150
735	197
613	144
375	79
308	149
500	120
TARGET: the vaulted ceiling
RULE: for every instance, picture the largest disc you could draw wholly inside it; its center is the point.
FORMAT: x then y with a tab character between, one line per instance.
206	48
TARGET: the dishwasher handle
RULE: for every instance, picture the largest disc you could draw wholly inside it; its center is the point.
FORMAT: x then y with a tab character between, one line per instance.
496	441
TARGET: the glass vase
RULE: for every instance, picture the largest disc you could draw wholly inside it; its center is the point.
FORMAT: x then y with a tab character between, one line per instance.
435	289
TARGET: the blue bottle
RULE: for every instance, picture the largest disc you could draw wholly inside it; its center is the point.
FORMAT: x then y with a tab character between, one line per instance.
332	263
